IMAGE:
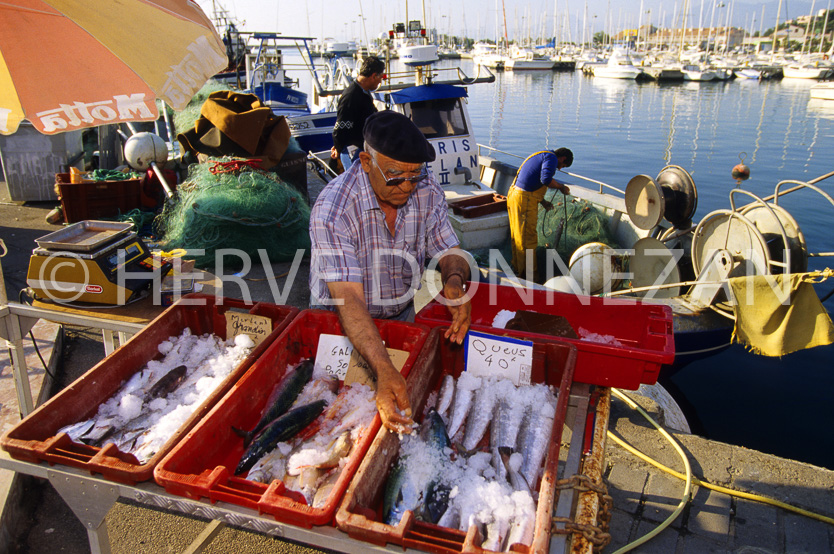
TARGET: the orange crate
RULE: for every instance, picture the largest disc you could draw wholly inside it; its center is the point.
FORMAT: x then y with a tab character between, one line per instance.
643	329
203	464
94	200
360	514
35	440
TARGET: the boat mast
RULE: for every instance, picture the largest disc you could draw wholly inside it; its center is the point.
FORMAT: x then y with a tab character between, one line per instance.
807	28
824	25
683	29
504	9
775	32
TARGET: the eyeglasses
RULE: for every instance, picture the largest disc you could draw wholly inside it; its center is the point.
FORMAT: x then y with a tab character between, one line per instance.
397	181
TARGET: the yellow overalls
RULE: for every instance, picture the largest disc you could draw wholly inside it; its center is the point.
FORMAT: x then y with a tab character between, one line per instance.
523	209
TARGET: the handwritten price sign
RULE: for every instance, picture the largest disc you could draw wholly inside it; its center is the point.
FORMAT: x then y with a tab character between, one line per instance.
336	355
494	356
333	354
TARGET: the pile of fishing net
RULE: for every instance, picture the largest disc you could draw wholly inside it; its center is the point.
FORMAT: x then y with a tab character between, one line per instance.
584	223
227	204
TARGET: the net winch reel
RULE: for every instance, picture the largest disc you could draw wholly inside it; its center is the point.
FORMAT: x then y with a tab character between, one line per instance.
671	196
759	238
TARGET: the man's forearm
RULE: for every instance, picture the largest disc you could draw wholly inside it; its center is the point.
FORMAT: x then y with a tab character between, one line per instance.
363	334
453	263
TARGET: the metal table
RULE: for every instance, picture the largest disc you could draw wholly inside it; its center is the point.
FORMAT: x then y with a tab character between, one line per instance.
91	497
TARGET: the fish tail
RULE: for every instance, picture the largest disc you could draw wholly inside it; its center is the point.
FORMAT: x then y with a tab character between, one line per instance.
245	435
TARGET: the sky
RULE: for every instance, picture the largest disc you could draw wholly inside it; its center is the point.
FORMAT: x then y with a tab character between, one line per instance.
363	20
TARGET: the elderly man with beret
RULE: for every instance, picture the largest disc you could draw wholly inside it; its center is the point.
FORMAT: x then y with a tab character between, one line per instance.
373	229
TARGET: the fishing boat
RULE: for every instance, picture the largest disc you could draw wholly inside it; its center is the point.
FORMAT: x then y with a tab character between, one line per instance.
805	71
695	72
619	66
311	123
526	59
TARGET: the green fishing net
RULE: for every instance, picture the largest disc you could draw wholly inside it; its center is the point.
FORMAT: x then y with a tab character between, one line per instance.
184	120
585	223
243	209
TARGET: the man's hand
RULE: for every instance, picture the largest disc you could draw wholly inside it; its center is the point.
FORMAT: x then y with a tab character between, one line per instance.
546	205
333	153
565	189
459	307
391	397
392	401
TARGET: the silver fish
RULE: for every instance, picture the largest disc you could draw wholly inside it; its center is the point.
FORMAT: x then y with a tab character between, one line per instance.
522	530
450	518
495	440
78	430
308	483
269	468
480	415
445	397
496	532
462	404
324	490
536	439
516	479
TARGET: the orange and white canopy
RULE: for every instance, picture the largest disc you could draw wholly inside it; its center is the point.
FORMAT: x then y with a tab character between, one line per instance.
71	64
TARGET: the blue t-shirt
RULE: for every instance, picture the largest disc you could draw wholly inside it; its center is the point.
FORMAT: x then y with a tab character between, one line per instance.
537	171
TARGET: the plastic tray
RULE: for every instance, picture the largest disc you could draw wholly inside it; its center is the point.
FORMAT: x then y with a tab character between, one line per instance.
360	514
34	439
203	464
643	329
84	236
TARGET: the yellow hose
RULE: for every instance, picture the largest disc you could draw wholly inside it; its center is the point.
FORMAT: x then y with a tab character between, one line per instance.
687	489
695	480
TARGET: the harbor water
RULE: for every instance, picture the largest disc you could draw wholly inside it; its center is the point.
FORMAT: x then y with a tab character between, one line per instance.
620	129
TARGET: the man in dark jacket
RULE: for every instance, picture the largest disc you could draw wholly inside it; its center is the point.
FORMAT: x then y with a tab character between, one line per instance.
355	105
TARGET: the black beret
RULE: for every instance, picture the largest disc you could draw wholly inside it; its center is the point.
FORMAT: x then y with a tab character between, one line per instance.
396	136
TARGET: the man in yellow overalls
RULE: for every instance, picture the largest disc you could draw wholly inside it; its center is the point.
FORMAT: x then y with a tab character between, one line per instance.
534	177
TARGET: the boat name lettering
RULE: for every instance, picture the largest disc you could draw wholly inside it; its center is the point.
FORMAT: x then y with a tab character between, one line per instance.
122	106
299	126
190	73
464	146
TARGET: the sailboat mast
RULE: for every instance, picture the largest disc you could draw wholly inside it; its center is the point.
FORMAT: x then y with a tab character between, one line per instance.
825	25
506	40
683	29
775	32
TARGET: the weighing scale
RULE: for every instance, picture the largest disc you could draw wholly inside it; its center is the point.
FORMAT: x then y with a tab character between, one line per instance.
102	262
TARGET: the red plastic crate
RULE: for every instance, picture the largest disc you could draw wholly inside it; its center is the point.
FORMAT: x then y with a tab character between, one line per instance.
360	514
644	330
203	464
97	199
34	439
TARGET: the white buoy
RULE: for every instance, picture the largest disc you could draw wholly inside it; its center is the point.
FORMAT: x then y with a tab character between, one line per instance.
143	149
593	266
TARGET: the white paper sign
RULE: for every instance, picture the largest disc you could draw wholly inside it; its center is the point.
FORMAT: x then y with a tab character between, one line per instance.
494	356
333	354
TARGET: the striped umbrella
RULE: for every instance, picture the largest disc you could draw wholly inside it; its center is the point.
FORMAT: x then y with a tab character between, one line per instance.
71	64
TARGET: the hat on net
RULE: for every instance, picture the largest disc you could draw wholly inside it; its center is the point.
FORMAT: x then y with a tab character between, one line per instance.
396	136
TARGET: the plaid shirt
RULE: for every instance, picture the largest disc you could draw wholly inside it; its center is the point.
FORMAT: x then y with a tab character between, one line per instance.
351	241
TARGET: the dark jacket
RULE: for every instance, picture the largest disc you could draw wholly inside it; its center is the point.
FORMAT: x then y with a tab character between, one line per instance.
355	105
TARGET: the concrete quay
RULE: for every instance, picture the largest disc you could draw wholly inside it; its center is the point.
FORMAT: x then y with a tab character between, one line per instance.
644	496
